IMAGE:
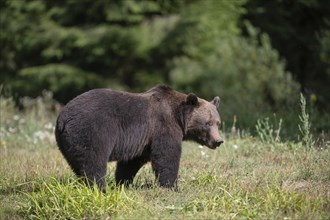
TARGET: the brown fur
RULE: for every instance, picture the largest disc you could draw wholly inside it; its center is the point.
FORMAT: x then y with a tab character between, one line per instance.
133	128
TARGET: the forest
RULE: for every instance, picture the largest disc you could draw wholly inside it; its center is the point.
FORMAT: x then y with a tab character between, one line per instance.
258	56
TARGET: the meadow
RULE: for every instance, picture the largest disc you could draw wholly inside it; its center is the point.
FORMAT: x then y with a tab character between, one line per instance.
261	177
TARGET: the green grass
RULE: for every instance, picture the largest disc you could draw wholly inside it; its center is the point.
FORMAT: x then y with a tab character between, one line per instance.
246	178
70	198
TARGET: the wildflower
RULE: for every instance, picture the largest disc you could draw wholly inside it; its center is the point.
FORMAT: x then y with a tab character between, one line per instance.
235	146
49	125
28	138
39	135
12	130
42	136
200	146
204	154
16	117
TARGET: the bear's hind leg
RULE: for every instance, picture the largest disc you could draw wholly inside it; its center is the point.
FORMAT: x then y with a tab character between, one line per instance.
126	170
96	174
92	169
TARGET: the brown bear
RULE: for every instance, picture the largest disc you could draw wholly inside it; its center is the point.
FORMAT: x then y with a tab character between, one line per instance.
104	125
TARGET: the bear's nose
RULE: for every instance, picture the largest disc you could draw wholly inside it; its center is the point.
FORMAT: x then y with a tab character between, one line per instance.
218	143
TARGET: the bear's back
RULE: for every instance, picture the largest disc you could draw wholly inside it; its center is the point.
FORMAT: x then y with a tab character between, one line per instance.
103	116
100	105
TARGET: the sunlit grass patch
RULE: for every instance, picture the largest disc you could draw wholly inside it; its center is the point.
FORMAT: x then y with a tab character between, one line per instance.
226	202
71	199
203	179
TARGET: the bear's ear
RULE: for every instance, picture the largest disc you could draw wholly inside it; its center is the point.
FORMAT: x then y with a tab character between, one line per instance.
192	99
216	101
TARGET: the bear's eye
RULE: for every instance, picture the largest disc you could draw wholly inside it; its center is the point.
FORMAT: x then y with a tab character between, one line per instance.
208	124
218	124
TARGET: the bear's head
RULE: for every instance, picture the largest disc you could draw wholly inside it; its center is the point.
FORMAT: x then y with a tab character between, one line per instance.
203	121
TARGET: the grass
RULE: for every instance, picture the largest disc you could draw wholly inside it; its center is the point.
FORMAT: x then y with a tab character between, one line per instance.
69	198
247	178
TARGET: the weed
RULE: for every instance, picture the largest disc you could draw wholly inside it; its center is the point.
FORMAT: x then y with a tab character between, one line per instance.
266	131
202	179
305	126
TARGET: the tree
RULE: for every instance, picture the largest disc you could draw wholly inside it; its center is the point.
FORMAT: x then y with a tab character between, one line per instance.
107	41
299	30
247	73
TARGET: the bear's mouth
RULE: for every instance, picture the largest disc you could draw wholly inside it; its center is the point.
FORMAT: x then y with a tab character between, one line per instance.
213	145
203	142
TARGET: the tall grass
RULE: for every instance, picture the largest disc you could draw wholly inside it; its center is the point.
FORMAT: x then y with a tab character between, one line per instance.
305	126
267	132
71	199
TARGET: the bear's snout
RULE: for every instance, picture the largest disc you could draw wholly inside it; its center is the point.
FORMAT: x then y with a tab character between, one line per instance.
217	143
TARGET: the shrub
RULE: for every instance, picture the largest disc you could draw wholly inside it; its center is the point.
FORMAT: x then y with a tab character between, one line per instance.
305	127
246	73
63	80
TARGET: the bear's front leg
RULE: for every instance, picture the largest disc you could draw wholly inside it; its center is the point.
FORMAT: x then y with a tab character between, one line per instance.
126	170
165	161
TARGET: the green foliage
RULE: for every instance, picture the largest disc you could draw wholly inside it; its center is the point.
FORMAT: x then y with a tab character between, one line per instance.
128	43
300	32
201	23
246	72
114	40
64	80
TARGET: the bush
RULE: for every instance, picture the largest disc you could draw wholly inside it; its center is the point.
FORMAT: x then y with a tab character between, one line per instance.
63	80
246	73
